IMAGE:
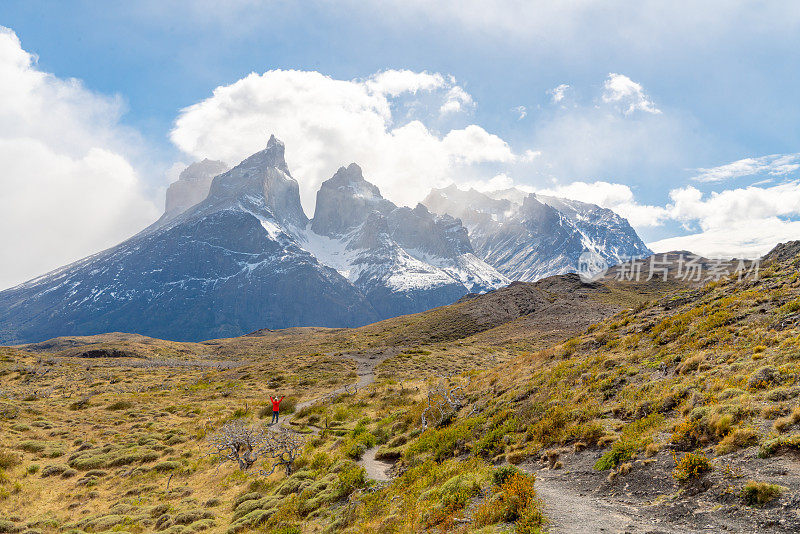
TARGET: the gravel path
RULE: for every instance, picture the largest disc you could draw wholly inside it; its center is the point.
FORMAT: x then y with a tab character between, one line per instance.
570	512
376	469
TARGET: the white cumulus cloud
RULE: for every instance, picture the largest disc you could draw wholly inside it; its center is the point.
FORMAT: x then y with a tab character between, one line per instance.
67	189
326	123
746	221
629	95
396	82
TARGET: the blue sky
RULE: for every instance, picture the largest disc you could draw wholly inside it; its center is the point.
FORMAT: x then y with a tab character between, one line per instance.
681	117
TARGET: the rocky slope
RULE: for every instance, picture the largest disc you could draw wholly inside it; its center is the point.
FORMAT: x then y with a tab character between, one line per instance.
528	237
247	257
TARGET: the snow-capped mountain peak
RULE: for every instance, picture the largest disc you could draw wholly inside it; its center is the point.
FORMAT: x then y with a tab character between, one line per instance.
529	236
247	257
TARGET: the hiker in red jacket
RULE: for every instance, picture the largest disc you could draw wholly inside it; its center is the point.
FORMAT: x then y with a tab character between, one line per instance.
276	407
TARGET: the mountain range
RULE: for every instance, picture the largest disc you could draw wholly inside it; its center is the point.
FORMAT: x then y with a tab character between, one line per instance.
234	252
530	236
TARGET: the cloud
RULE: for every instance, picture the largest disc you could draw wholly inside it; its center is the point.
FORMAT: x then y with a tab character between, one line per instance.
327	123
457	100
619	89
599	141
496	183
557	93
67	189
521	111
774	165
744	239
727	208
747	221
616	197
396	82
593	27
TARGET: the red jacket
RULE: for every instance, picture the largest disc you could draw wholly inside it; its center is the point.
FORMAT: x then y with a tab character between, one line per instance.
276	403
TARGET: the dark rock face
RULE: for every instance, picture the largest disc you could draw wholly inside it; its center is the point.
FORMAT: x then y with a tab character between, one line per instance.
261	178
345	201
529	237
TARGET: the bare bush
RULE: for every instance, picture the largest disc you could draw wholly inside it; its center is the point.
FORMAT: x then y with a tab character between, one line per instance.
238	442
444	402
245	444
282	447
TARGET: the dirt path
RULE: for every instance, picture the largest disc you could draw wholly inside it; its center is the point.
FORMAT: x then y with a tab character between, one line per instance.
376	469
647	499
365	369
570	511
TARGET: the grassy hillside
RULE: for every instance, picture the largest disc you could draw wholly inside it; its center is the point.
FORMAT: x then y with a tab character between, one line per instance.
681	401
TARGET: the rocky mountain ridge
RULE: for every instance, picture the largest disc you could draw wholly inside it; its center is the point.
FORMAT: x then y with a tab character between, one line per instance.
248	257
531	236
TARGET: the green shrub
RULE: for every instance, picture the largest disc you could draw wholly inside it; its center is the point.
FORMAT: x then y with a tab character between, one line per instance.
621	451
736	439
760	493
491	443
52	470
120	405
772	446
288	405
691	466
33	445
166	466
502	474
349	478
443	443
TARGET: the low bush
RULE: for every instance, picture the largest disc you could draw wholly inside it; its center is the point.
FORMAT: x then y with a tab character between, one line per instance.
502	474
760	493
772	446
620	452
691	466
8	459
120	405
737	438
32	445
515	502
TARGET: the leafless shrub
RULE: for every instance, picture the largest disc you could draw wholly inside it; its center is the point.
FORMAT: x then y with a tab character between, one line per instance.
282	447
245	444
238	442
351	389
444	402
34	374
